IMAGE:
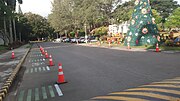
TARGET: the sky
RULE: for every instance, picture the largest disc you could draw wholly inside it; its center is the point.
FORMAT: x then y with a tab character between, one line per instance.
42	7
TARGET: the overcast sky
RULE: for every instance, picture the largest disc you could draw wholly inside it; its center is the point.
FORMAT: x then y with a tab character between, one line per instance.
42	7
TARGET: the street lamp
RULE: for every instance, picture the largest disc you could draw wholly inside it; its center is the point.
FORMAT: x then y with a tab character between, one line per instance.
85	29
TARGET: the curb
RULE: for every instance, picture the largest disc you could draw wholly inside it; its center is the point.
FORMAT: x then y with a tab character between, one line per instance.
115	48
5	88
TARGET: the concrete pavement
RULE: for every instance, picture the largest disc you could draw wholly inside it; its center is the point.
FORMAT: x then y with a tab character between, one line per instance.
8	67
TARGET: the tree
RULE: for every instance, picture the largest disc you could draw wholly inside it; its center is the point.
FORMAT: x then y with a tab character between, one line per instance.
123	12
39	26
74	14
161	7
143	29
173	21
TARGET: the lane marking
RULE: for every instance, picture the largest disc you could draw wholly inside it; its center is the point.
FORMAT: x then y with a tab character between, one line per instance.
27	71
162	85
35	69
40	69
159	96
44	93
119	98
21	95
58	90
156	89
47	67
36	94
51	91
44	68
165	82
31	70
29	95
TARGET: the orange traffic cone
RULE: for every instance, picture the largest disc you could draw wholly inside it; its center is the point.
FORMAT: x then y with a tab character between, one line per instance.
128	46
43	52
46	55
12	55
61	79
157	48
51	61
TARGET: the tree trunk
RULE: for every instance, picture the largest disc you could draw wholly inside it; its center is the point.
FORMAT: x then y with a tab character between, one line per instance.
10	31
5	33
14	27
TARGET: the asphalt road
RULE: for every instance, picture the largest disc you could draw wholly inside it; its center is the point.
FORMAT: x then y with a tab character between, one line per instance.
92	73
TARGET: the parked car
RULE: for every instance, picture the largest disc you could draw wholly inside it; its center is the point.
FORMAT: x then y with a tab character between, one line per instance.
66	40
177	41
81	39
58	40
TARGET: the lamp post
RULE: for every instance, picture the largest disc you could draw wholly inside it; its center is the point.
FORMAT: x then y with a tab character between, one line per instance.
85	29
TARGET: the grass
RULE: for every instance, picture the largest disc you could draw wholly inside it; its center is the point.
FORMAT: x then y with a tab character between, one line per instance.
3	48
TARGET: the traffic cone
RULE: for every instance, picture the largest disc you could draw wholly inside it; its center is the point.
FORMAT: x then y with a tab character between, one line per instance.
128	46
61	79
41	48
157	48
12	55
43	52
46	55
51	62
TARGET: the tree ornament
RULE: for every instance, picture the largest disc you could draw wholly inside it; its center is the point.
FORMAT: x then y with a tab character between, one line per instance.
133	22
153	21
128	38
148	40
136	2
144	11
144	30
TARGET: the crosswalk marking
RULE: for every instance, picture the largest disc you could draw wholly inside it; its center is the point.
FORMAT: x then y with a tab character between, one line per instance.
31	70
29	95
36	94
37	60
119	98
39	69
156	89
51	91
35	69
47	68
27	71
44	68
21	95
58	90
148	94
39	94
44	93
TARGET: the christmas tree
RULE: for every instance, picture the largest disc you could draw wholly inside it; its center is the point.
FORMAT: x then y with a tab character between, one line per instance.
142	29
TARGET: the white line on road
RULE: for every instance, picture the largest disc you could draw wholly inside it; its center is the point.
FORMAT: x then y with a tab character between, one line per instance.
48	68
58	90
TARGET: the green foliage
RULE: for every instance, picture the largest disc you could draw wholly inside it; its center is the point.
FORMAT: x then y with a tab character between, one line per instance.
164	7
123	12
73	14
101	31
173	21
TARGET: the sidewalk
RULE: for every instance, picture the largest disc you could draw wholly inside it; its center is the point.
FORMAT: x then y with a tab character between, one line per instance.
7	65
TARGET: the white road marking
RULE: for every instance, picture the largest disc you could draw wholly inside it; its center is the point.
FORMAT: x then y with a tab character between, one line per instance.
58	90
